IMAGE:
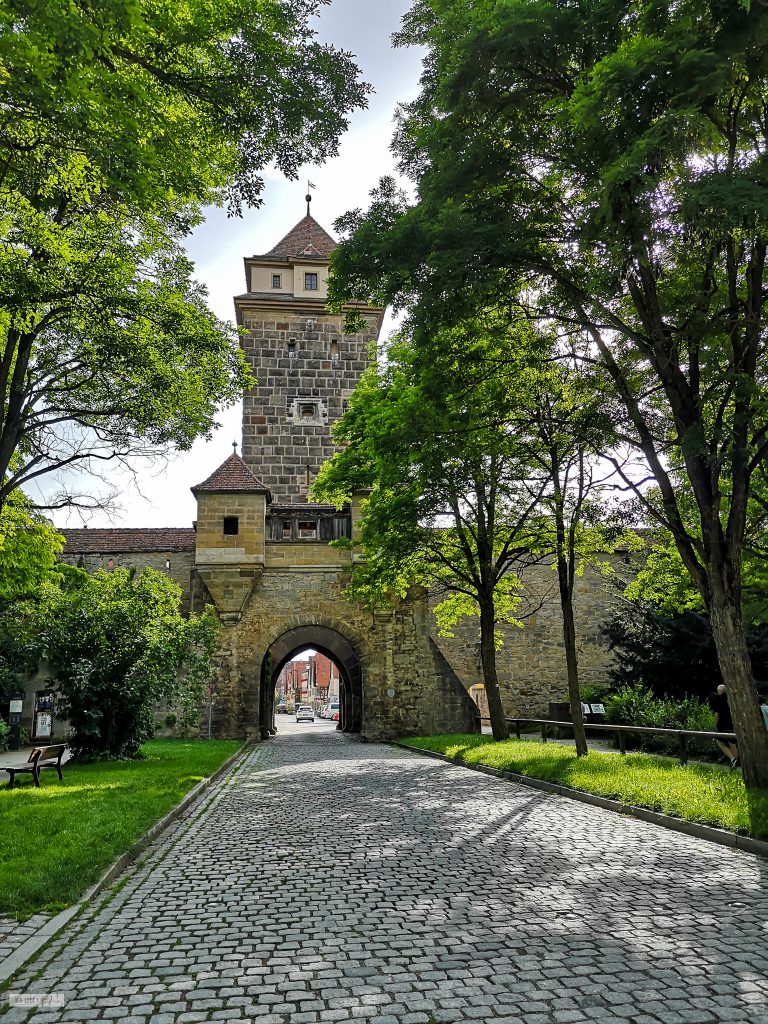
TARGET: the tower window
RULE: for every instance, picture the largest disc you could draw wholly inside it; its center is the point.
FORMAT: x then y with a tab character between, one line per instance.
231	526
308	412
310	282
277	280
292	348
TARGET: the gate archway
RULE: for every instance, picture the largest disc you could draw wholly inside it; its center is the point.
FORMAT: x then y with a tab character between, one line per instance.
334	646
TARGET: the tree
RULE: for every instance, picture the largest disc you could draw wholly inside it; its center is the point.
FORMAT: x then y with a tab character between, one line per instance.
569	427
28	549
448	508
608	164
114	355
558	424
120	120
158	102
117	646
28	568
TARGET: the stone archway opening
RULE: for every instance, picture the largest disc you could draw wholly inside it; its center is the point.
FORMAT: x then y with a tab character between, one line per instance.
335	647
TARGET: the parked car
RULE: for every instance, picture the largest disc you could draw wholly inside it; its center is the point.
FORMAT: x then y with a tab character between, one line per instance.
332	710
304	713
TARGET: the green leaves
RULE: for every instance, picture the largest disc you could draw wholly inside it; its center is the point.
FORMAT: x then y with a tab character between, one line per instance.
117	646
29	545
121	120
110	349
171	102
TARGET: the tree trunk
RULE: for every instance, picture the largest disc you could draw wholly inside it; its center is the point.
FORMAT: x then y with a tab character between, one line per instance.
565	553
571	657
490	677
736	668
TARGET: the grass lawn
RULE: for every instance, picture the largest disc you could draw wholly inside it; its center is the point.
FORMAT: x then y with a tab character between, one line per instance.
57	840
697	792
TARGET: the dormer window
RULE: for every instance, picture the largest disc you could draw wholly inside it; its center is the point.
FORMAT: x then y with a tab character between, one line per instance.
277	280
231	526
310	282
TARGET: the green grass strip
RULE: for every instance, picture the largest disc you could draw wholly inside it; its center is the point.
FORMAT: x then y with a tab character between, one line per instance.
58	840
696	792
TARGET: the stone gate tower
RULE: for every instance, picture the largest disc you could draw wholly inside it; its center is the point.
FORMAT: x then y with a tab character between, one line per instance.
259	552
306	367
263	556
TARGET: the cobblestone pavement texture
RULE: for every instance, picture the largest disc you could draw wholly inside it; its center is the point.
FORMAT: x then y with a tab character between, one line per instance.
327	880
13	932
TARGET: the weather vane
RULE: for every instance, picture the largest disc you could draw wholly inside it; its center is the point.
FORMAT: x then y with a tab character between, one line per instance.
234	447
308	196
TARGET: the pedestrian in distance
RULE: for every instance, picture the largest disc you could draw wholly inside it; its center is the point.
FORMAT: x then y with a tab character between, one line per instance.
724	723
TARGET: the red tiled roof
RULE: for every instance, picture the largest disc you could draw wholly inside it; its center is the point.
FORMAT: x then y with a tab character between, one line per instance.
119	541
308	239
233	475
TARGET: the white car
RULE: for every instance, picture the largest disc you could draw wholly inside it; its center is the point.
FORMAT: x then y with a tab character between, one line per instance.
331	710
304	713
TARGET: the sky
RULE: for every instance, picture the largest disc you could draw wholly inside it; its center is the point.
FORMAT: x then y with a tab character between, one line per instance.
159	495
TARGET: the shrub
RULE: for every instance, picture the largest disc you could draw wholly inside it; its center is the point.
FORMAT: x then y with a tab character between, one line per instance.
595	693
652	649
637	705
4	730
117	646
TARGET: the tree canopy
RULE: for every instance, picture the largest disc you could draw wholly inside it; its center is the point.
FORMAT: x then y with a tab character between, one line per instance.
114	354
603	166
28	549
162	102
120	121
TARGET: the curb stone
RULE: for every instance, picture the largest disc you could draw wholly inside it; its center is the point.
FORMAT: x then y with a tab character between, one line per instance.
29	949
690	828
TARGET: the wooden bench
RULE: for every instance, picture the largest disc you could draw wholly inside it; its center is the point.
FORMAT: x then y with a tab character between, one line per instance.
39	758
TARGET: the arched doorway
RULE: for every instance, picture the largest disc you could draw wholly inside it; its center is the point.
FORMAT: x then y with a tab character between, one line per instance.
334	646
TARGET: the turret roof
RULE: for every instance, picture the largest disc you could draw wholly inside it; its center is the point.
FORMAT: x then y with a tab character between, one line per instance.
307	238
233	475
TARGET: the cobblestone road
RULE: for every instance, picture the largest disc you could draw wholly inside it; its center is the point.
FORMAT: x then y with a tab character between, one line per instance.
333	881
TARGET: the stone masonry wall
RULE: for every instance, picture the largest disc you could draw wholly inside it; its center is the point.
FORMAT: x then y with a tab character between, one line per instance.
322	366
405	689
531	662
247	546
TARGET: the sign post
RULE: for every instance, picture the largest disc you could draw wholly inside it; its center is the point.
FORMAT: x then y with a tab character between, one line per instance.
42	720
211	692
14	720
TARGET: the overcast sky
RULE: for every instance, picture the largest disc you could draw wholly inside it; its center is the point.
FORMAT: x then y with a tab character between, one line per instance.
362	27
